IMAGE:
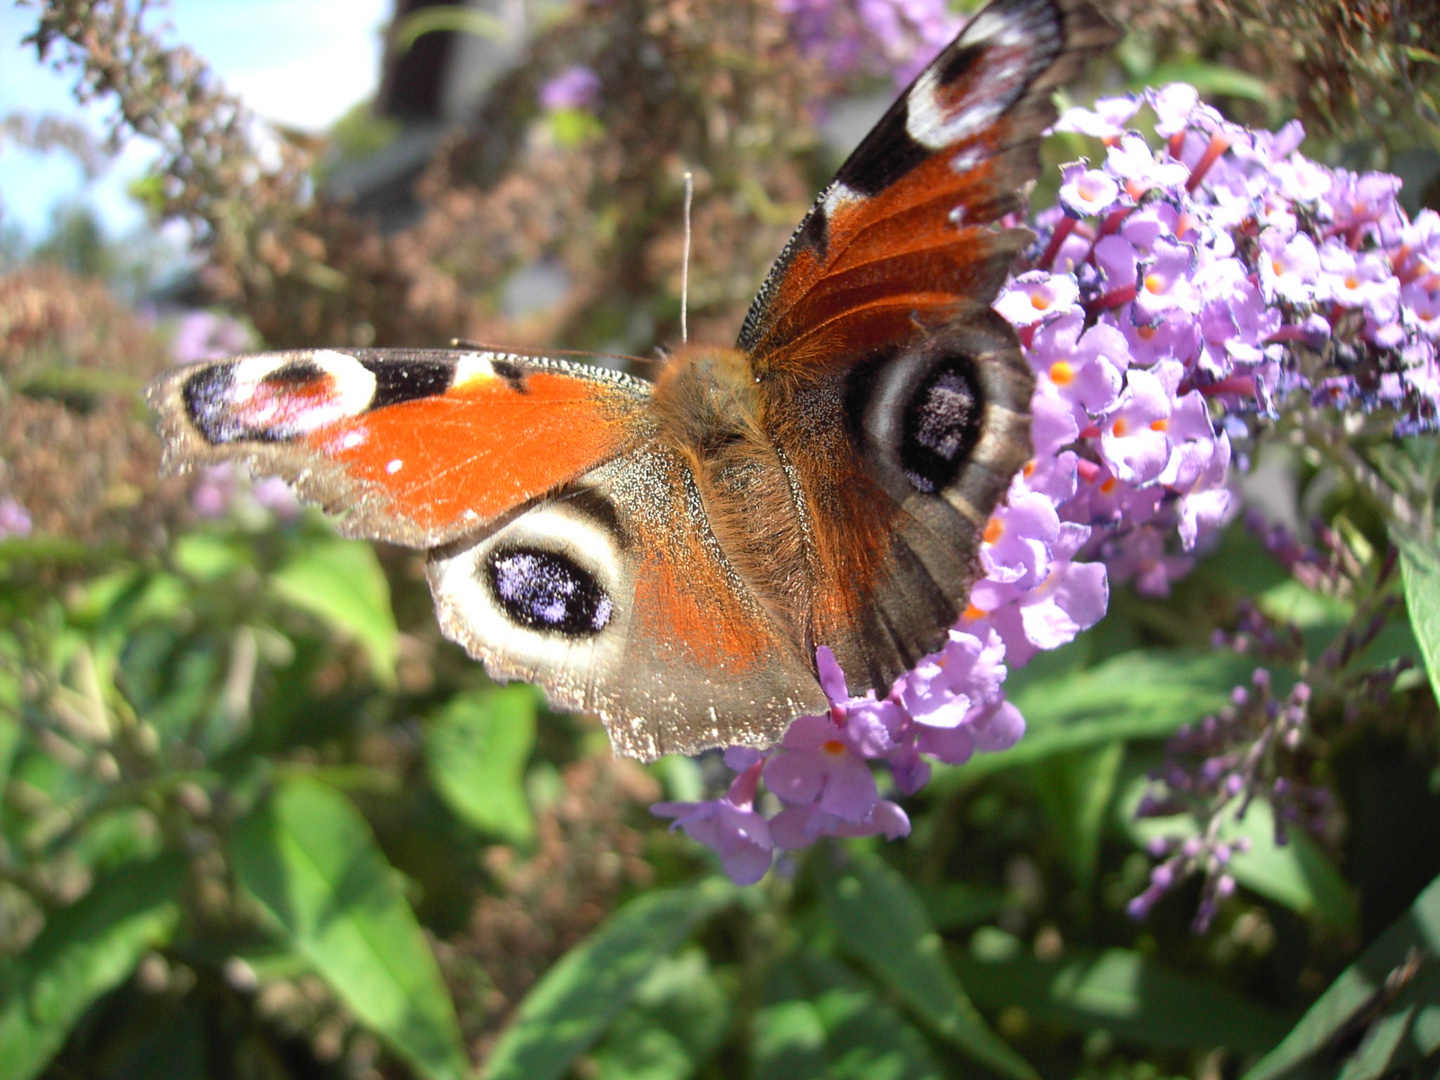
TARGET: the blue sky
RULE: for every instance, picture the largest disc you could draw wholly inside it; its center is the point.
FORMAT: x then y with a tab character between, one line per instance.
298	62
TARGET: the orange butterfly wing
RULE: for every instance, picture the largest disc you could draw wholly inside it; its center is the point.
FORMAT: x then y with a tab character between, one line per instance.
416	447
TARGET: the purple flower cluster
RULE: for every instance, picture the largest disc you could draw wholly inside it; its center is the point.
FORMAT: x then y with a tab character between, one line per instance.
574	88
895	36
1176	294
1215	769
14	519
1264	745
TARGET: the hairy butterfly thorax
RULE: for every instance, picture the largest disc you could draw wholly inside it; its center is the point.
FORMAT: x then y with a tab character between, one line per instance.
670	555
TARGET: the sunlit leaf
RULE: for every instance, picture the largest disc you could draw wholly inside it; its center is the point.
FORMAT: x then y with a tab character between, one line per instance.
881	922
84	950
675	1020
209	556
821	1020
308	857
477	750
1381	1015
341	583
1212	79
1137	695
11	699
1421	570
580	996
1132	996
449	18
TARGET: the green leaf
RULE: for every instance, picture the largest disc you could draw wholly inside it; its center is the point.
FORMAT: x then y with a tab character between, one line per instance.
476	751
674	1023
953	905
1420	568
1076	790
881	922
1138	695
451	18
821	1020
84	950
308	857
1297	874
580	996
1126	993
1383	1012
1292	602
572	128
341	583
11	702
1212	79
210	556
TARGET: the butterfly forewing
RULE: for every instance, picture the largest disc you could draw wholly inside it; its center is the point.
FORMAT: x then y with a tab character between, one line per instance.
416	447
908	222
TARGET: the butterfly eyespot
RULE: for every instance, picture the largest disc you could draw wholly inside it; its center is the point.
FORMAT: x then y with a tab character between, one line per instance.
942	422
547	590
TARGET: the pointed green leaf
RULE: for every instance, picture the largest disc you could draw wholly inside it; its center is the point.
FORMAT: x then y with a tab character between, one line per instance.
1421	570
579	998
211	556
11	702
883	924
1137	695
308	857
1128	994
341	583
1383	1012
822	1020
1076	790
674	1023
84	950
477	750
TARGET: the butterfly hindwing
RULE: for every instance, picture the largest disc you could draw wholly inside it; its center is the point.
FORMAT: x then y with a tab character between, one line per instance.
615	596
416	447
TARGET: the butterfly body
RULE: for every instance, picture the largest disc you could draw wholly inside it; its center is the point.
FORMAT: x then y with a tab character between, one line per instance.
669	555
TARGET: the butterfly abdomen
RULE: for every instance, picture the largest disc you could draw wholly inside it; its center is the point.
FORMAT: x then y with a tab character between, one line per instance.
707	406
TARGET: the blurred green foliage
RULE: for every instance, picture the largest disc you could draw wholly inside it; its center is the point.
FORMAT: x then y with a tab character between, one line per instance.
258	820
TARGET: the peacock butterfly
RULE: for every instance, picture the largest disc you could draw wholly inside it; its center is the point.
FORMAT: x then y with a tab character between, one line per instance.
670	555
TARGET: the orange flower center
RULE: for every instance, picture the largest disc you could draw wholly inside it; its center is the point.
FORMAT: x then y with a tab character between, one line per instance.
994	530
1061	373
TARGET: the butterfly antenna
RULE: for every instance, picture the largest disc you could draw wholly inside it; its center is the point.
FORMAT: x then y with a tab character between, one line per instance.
685	261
